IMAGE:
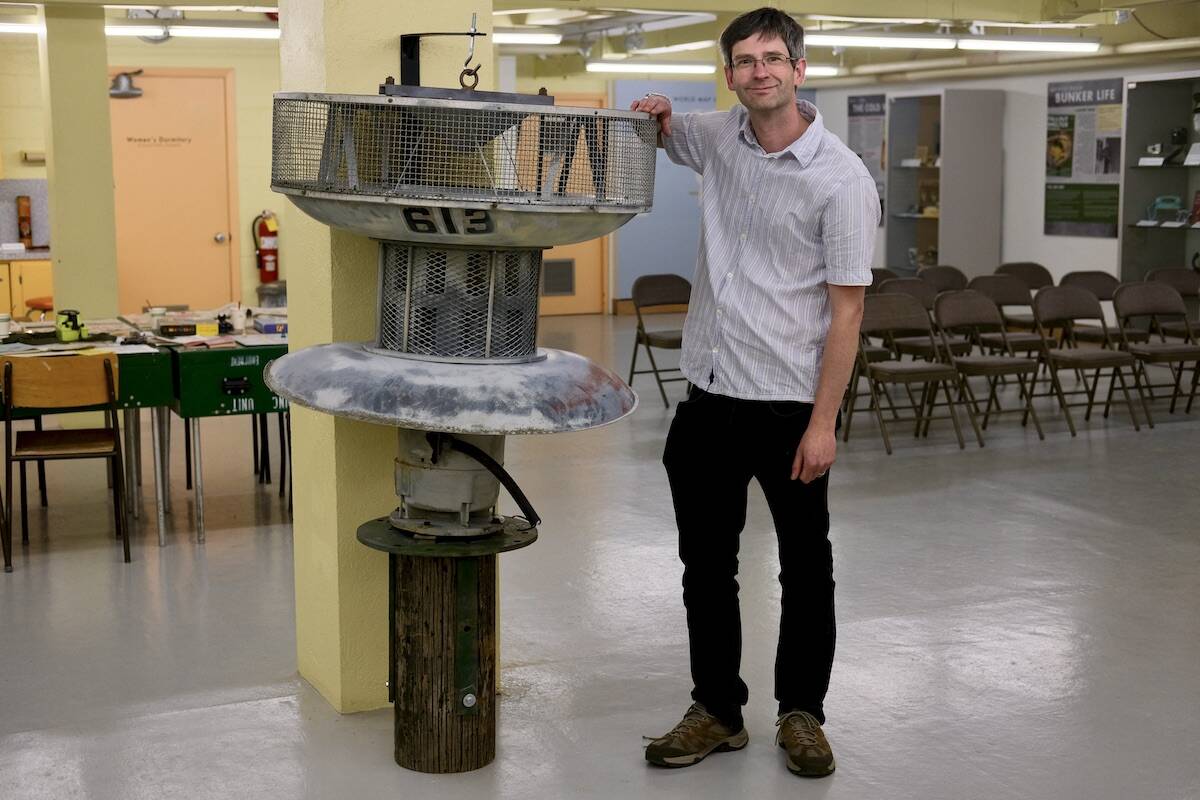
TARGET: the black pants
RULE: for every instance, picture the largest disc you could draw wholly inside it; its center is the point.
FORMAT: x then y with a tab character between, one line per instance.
715	446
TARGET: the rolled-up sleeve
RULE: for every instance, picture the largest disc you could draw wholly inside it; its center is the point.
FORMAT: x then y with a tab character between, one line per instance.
848	225
691	134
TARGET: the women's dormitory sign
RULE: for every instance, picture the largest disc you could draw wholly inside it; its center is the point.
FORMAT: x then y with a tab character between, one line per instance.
1083	158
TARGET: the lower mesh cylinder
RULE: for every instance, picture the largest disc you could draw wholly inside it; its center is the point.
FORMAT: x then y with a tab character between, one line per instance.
450	303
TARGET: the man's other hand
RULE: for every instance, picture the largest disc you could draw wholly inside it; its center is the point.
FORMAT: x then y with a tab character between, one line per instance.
815	455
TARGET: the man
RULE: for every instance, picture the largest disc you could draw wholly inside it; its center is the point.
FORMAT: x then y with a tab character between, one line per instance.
789	219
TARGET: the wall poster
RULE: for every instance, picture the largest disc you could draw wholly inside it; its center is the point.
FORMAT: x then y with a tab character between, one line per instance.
1084	120
865	134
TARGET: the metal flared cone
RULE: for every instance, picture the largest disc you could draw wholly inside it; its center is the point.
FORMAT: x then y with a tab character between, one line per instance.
559	393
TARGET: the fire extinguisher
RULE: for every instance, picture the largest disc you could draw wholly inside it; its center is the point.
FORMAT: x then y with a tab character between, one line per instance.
265	231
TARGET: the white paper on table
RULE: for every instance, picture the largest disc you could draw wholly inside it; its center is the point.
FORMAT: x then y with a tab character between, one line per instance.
261	339
1151	161
1147	223
1193	157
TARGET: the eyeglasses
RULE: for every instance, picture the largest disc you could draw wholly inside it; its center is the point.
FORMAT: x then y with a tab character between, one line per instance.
772	61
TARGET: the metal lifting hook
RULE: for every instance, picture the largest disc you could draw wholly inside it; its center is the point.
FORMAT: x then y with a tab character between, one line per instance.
474	73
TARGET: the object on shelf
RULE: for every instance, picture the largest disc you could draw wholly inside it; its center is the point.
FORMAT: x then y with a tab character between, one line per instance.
1192	159
1179	140
928	196
1194	217
24	220
1165	208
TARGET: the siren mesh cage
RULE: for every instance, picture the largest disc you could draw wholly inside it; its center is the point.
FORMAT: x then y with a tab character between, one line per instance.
451	303
414	148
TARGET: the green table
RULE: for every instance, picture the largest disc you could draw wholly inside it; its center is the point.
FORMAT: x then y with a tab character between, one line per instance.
215	383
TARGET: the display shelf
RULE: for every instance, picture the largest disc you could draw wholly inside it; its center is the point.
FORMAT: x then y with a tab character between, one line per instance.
962	129
1154	107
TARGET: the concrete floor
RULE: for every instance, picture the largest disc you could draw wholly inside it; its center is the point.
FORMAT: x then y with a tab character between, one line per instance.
1015	622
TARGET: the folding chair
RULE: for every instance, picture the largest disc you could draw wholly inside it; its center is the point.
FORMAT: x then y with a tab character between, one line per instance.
973	313
1030	273
884	315
878	276
656	291
1156	301
61	383
919	346
1008	292
1103	285
943	277
1187	283
1061	307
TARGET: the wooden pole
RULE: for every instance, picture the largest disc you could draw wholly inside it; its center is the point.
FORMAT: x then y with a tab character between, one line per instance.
445	662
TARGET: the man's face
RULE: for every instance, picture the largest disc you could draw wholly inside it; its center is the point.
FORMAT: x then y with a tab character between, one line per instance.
759	85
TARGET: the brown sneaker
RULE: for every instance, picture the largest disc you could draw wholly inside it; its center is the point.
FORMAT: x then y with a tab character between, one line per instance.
697	734
808	751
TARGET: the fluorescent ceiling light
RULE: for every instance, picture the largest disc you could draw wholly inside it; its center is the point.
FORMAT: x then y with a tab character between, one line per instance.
182	31
1159	46
903	41
1028	45
523	37
221	32
19	27
674	48
651	67
242	9
511	11
820	71
873	20
135	30
1047	25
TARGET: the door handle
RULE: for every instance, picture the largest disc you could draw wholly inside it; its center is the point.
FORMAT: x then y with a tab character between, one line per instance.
220	238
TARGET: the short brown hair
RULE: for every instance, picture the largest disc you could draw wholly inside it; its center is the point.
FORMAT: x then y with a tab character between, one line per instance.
766	22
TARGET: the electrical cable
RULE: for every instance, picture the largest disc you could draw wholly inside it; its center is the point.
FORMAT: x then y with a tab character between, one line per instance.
1138	20
493	466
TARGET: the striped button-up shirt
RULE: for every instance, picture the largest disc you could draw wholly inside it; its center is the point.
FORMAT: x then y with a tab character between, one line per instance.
776	228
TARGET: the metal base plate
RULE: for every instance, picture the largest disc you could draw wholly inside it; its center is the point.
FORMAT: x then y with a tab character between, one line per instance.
445	528
379	534
562	392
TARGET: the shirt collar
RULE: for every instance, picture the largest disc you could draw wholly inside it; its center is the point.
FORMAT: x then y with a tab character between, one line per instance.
804	148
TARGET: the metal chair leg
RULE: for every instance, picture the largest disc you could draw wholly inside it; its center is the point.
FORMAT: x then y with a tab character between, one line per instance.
264	459
24	509
187	455
41	466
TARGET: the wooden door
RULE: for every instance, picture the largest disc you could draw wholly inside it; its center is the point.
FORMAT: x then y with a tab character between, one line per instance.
176	204
575	277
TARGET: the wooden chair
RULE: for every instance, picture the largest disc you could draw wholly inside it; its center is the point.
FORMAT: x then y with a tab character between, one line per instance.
651	291
61	383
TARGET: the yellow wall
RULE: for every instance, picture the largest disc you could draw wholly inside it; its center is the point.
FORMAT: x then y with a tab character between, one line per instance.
256	77
20	105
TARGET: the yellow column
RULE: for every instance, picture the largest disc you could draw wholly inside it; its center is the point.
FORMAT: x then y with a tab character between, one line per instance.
726	99
83	239
343	470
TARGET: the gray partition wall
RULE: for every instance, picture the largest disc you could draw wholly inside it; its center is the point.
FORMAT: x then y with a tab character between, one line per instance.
666	239
957	135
